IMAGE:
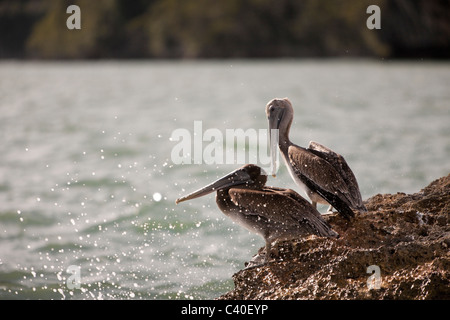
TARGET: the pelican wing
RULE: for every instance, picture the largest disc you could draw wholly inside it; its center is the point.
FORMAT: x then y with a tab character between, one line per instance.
340	165
277	205
317	170
321	177
294	196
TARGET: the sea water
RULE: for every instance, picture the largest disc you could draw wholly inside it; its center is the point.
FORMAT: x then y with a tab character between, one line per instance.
88	184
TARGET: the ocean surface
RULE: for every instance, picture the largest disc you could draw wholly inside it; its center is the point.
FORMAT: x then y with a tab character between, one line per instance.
89	176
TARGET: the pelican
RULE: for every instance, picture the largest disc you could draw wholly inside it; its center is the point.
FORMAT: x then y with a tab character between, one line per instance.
323	174
273	213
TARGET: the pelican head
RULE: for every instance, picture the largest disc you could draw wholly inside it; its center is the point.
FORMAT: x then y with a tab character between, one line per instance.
280	115
248	176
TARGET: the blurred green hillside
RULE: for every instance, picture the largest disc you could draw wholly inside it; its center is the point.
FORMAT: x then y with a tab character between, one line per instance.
224	29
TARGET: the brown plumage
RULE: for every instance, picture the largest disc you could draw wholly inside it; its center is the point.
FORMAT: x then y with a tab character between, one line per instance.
323	174
274	213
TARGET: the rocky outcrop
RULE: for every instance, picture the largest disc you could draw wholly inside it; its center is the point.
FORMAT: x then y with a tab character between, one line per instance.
403	241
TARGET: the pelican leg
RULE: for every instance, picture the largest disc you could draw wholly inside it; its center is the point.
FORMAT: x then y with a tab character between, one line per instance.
256	261
314	204
260	259
329	211
268	252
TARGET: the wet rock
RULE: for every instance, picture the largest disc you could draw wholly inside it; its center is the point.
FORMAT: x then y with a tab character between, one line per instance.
406	236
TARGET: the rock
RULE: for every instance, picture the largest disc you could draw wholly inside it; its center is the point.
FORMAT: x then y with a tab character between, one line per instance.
406	236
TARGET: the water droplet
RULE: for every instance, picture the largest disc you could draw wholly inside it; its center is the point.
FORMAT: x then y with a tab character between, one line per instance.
157	196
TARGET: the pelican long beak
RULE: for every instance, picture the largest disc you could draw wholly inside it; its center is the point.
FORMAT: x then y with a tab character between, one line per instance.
234	178
274	125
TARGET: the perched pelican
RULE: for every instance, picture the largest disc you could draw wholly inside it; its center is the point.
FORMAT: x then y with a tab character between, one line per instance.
323	174
273	213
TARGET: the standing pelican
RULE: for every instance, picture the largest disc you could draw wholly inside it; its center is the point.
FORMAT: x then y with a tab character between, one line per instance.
273	213
323	174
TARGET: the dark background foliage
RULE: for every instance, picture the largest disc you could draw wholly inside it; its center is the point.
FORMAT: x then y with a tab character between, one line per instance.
224	29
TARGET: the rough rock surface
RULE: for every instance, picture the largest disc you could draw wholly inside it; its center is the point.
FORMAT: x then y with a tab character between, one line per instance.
406	235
